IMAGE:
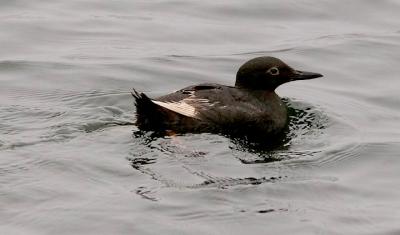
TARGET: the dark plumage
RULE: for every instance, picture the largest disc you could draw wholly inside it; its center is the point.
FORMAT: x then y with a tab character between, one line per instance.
249	107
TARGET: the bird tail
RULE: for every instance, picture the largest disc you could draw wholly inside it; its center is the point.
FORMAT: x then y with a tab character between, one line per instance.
147	113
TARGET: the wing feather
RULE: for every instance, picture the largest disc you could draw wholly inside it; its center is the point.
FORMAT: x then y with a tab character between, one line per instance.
178	107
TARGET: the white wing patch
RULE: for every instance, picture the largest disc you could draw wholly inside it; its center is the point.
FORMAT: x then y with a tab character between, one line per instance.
187	107
178	107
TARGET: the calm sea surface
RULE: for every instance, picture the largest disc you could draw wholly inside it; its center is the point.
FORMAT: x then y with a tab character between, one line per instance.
71	163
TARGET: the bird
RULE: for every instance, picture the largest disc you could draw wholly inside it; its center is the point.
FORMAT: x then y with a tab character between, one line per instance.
250	107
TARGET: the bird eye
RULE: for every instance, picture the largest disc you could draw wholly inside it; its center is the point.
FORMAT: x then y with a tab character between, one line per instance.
273	71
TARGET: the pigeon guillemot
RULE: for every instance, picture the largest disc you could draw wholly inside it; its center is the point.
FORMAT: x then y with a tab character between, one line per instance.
249	107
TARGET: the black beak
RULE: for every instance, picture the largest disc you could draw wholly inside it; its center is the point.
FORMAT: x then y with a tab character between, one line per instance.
302	75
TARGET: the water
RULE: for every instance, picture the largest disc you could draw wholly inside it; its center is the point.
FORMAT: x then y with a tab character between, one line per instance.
70	162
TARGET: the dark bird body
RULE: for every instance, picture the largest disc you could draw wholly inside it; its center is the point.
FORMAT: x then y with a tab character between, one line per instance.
249	107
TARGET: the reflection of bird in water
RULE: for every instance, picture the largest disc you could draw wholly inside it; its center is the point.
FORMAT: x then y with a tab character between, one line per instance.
251	107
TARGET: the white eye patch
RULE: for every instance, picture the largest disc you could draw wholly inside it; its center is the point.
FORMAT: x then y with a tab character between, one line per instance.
273	71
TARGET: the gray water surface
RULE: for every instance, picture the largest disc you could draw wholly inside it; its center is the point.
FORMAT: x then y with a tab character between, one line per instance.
71	163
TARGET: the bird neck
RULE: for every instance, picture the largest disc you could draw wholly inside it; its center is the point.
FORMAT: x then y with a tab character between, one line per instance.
262	94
